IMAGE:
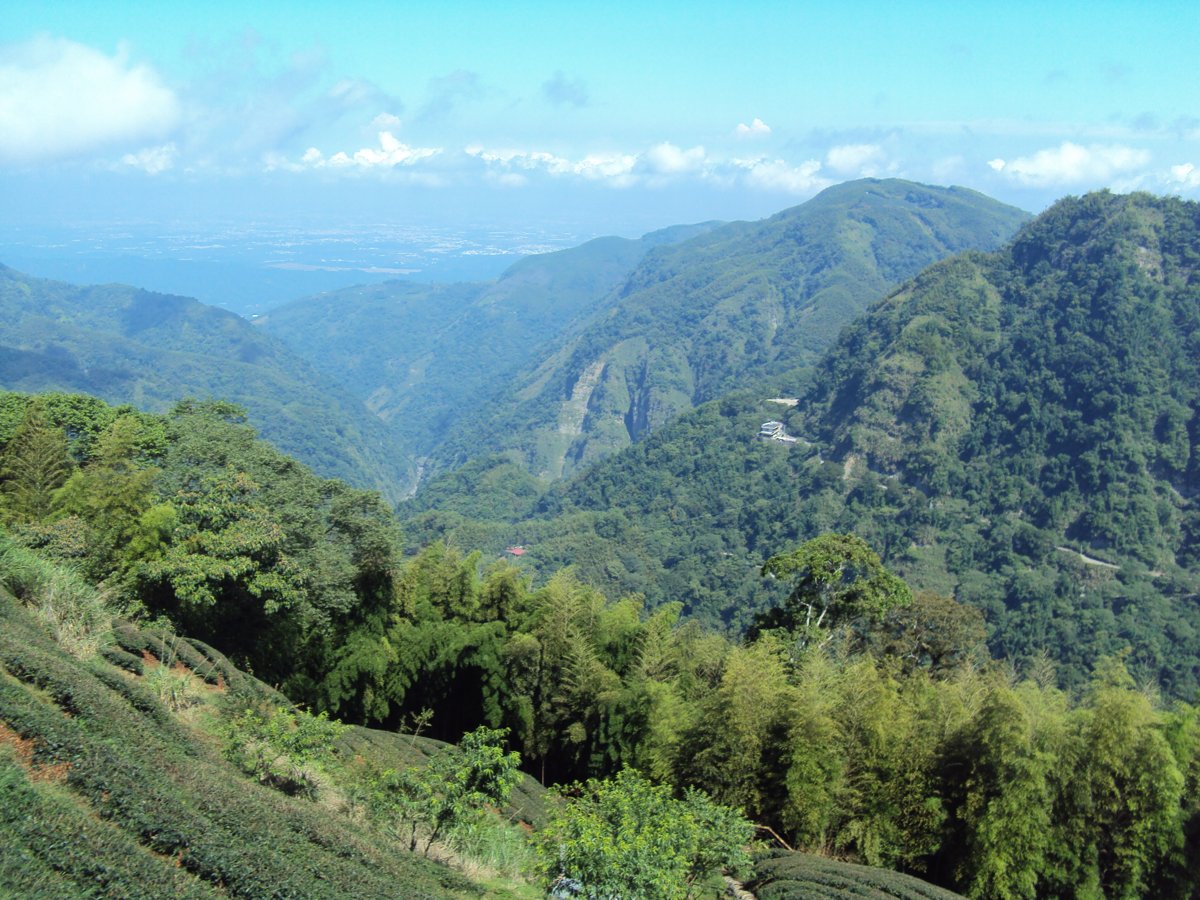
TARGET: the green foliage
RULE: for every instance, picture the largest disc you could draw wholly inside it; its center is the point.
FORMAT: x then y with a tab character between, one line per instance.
34	465
75	613
449	792
933	632
282	749
113	497
781	875
834	575
225	543
193	518
1008	798
628	837
131	346
1133	790
732	745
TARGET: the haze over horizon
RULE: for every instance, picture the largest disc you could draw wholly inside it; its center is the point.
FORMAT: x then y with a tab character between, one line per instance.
648	114
548	124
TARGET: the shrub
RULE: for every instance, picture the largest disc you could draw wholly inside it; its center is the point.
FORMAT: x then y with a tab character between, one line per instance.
627	837
430	801
173	685
784	875
281	749
78	615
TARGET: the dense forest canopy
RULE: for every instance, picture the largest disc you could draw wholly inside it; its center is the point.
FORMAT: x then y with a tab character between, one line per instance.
1017	430
950	630
879	732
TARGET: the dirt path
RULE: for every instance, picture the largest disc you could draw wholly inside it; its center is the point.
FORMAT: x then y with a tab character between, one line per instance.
1088	560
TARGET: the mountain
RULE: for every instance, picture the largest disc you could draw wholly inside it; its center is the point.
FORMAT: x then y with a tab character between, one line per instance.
132	346
745	304
1017	429
425	357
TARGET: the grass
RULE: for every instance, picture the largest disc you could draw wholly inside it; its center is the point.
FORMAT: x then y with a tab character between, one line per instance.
113	783
141	802
78	615
489	847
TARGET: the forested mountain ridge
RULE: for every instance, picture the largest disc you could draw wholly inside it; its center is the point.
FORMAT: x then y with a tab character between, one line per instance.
138	759
1042	406
133	346
425	358
1017	429
747	303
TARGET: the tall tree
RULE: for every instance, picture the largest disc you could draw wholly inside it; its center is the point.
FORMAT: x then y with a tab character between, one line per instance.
1003	770
112	495
837	579
1134	786
34	465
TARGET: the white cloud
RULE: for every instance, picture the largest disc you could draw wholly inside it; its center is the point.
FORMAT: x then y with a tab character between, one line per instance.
667	159
521	159
386	122
615	168
60	99
654	166
855	159
1185	176
778	175
661	164
391	153
152	160
1071	163
757	128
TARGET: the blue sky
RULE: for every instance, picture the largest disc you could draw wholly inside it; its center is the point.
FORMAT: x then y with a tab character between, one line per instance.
617	116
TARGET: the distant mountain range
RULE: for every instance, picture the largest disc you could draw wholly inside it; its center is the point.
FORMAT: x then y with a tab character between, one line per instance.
1018	429
750	303
132	346
427	358
573	355
564	359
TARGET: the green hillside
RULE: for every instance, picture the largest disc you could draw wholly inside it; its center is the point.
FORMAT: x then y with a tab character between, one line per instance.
427	358
797	876
750	303
105	792
880	733
1016	429
151	350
